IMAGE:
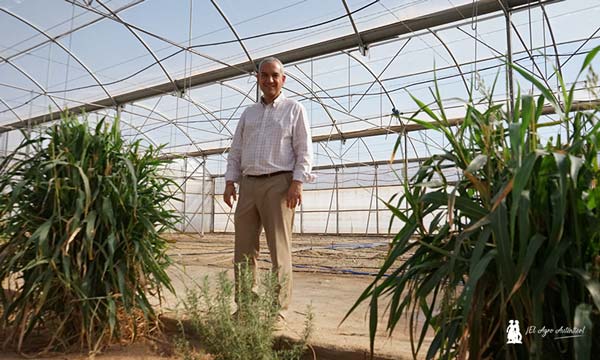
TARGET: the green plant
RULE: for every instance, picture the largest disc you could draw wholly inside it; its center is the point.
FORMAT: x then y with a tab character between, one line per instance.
516	235
248	333
81	213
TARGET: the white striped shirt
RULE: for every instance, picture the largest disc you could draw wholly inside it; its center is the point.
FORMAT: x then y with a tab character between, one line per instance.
271	138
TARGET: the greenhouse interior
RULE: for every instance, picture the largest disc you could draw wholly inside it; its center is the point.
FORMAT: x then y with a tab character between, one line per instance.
372	75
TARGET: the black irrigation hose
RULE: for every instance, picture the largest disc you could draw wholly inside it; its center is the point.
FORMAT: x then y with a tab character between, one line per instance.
321	268
335	270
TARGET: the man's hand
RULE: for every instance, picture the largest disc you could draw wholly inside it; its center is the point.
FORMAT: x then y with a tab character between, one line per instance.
294	195
229	194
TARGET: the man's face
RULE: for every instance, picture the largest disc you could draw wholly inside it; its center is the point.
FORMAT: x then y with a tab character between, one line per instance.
270	80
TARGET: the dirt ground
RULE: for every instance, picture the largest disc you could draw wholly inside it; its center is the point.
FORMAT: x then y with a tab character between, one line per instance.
330	272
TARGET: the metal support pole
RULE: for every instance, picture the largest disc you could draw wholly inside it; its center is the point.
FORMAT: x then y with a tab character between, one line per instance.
349	85
337	202
376	199
185	169
203	195
509	70
28	147
302	217
212	196
6	144
405	160
257	90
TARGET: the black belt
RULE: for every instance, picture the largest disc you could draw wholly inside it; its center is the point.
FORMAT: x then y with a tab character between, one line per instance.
271	174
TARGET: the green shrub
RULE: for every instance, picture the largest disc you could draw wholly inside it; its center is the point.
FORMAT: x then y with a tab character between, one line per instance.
247	334
80	215
515	236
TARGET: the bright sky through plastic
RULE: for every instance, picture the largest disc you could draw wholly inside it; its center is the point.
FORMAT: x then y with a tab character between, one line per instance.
117	43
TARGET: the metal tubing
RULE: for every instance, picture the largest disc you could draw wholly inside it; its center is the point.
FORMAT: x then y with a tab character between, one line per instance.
327	47
509	69
203	195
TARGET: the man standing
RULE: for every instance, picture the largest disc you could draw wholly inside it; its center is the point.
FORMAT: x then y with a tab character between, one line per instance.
270	158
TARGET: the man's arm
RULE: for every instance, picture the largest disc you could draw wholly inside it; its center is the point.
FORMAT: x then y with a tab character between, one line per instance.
229	195
233	172
302	144
294	195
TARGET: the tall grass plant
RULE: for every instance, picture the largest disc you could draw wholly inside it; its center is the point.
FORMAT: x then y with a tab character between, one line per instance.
81	213
515	236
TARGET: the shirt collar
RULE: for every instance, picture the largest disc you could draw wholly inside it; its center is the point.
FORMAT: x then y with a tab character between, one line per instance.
275	102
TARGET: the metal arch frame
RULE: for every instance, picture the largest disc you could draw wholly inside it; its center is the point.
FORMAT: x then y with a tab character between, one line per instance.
232	28
321	89
579	48
28	23
137	129
456	64
500	56
557	57
394	110
188	97
25	51
246	96
381	73
584	105
13	108
39	86
170	42
368	68
133	127
344	166
158	62
10	109
368	149
374	35
205	110
479	41
169	121
152	111
9	128
507	10
361	46
188	219
334	188
342	110
237	89
160	125
341	157
333	122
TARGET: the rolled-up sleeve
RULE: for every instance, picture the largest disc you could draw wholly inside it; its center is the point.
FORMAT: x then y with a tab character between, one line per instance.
302	144
234	158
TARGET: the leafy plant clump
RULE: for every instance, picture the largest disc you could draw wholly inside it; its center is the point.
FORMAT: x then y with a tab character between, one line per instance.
515	236
81	213
247	333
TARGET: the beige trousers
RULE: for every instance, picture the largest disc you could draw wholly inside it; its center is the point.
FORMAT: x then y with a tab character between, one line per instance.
262	203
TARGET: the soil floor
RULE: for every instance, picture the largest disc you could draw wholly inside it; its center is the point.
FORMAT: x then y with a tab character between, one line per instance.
330	273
